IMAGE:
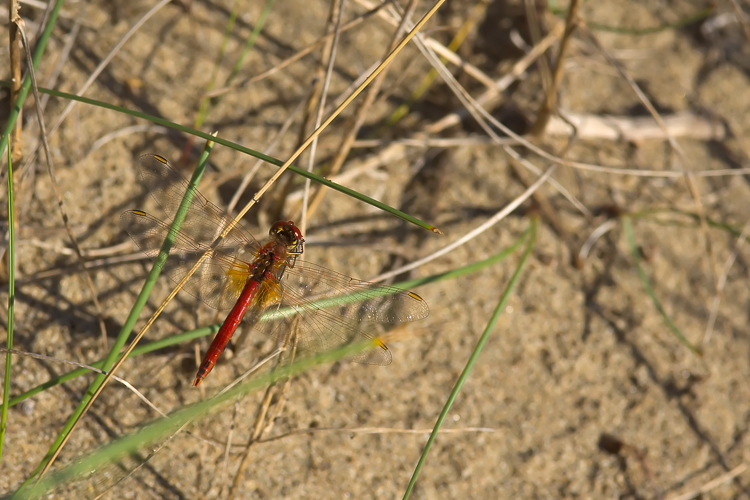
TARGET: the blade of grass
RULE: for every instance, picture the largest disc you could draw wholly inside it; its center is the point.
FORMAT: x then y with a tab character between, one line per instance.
680	23
628	227
250	42
11	303
242	149
129	324
646	215
530	239
212	329
203	108
468	25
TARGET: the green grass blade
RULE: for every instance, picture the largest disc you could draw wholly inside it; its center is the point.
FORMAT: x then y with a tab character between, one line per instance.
242	149
212	329
649	214
203	110
476	13
250	42
680	23
127	327
628	227
530	239
11	304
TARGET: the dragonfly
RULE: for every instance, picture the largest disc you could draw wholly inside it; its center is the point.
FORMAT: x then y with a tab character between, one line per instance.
263	283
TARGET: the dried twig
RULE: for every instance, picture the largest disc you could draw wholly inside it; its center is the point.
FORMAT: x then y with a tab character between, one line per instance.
713	483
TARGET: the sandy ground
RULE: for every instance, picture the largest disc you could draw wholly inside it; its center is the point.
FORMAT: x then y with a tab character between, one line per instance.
581	391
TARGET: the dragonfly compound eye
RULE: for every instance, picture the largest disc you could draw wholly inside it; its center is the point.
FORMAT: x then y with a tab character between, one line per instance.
287	233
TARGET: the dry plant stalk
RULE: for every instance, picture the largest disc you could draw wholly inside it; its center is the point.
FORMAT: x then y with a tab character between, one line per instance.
549	104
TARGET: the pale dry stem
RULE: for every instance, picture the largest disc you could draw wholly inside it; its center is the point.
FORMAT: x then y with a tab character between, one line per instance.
330	59
297	56
728	476
262	423
549	104
51	171
722	281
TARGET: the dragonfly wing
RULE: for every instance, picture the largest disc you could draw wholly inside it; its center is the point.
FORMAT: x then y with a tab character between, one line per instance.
354	299
219	279
168	186
335	310
321	330
204	221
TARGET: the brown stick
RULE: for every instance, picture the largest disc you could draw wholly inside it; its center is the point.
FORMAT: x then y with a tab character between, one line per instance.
15	77
549	105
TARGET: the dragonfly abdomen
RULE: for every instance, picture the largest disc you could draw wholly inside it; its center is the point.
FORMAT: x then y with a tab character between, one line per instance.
224	335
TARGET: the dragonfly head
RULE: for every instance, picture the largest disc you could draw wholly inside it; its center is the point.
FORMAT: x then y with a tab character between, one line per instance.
288	234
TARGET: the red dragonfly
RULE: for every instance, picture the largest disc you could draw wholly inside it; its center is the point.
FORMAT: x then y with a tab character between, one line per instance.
254	279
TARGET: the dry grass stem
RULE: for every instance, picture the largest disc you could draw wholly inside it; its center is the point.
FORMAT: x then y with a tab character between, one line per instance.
722	281
740	469
473	233
60	205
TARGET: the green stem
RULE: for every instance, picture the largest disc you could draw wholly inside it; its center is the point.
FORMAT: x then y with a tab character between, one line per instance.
628	226
530	238
9	126
689	19
11	303
250	42
203	109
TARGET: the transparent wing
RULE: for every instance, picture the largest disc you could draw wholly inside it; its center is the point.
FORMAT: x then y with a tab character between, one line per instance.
363	301
321	330
219	280
330	310
204	221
